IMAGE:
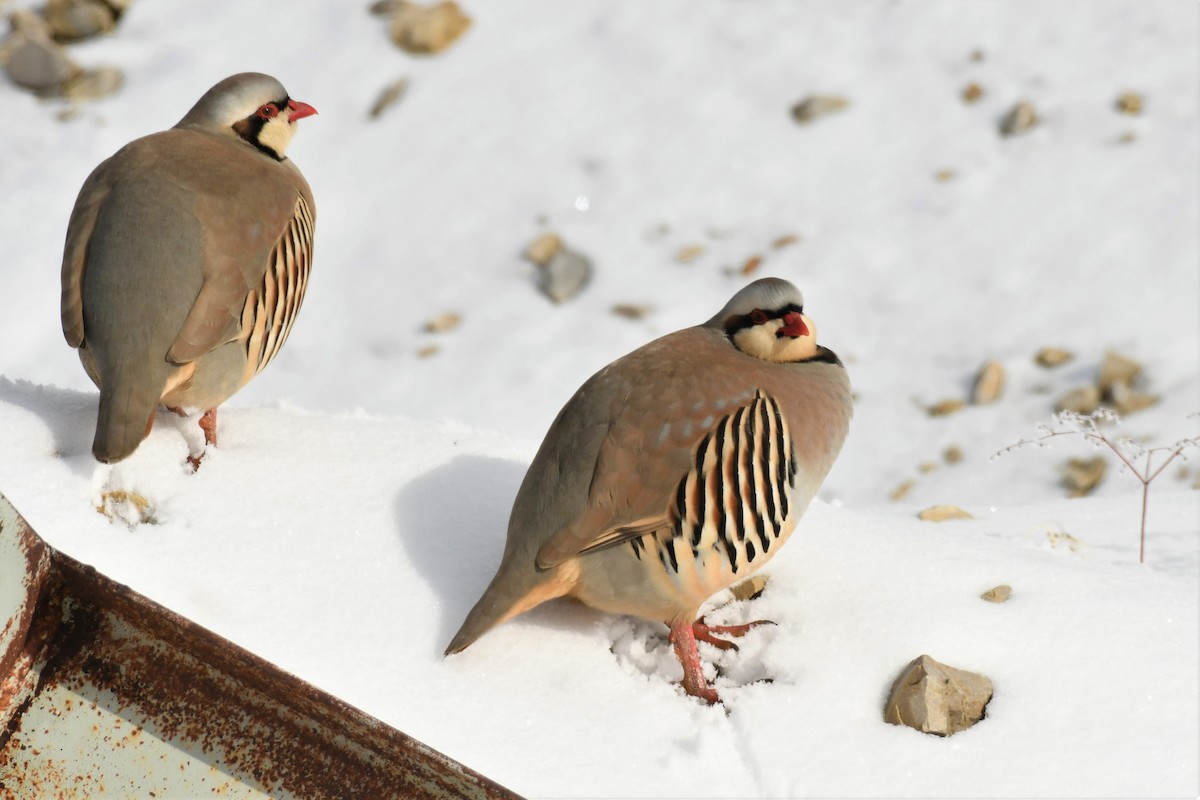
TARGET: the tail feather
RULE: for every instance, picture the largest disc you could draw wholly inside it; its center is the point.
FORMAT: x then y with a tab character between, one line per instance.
124	420
513	591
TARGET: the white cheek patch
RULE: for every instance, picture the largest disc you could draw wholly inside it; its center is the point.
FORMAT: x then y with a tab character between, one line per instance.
277	134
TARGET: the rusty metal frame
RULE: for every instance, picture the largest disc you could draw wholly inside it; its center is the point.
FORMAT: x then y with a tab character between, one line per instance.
103	690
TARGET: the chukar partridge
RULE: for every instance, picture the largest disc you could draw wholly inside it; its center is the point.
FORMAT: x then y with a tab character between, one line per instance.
186	260
676	471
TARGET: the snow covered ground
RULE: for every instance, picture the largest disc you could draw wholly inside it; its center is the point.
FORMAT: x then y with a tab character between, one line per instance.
357	505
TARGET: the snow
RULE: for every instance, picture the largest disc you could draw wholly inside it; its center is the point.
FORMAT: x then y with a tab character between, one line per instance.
357	505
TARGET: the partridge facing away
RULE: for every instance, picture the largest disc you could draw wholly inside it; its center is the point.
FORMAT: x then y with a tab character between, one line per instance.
676	471
186	260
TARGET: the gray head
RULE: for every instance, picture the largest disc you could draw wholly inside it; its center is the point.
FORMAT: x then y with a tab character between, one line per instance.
766	320
252	106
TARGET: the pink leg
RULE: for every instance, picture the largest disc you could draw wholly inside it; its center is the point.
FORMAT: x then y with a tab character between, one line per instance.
694	682
208	424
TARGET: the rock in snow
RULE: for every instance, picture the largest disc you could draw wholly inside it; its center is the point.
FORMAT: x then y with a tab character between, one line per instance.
934	698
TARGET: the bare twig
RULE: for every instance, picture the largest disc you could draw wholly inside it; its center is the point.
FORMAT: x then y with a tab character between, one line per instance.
1138	459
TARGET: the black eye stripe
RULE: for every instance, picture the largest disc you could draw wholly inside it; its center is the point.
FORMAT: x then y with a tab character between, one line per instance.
743	321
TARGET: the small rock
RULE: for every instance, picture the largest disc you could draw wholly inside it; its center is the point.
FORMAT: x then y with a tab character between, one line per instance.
73	20
925	467
750	265
989	384
1082	475
428	350
943	513
38	64
424	30
952	454
977	55
1083	400
901	491
631	310
787	240
934	698
944	175
972	92
392	94
1116	368
1020	119
1129	103
689	253
946	407
817	105
564	275
997	594
1127	400
1051	357
750	588
28	22
543	248
1128	137
446	321
90	84
1055	538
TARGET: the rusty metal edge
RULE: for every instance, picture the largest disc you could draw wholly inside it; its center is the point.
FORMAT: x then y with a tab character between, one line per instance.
388	760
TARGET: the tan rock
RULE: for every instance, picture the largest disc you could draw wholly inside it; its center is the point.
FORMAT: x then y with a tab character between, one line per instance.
1021	118
446	321
944	175
817	105
902	490
564	275
1116	368
972	92
1082	475
38	63
946	407
750	588
997	594
943	513
1051	357
424	30
989	383
91	84
72	20
1127	400
750	265
428	351
392	94
1083	400
937	699
689	253
543	248
925	467
787	240
632	310
1129	103
952	454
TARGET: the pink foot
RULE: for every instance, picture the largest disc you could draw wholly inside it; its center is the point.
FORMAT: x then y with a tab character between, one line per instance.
208	424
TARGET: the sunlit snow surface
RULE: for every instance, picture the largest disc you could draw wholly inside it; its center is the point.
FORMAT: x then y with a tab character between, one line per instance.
357	505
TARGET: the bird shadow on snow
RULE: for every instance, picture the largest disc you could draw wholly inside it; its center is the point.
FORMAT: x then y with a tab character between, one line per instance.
452	521
69	416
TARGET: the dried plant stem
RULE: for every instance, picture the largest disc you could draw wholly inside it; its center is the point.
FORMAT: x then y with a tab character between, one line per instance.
1087	426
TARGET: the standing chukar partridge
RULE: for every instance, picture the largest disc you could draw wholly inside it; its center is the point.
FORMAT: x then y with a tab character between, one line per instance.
186	260
676	471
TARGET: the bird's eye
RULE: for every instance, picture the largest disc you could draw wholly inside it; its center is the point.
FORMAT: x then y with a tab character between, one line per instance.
758	316
267	111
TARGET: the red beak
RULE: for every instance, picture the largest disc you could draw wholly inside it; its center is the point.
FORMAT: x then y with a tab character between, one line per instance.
793	325
298	110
